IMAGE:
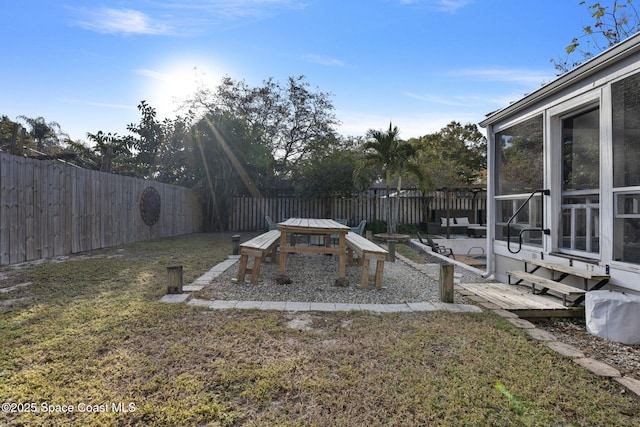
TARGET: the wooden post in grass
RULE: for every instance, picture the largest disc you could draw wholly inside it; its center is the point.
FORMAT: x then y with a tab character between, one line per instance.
391	247
446	283
174	276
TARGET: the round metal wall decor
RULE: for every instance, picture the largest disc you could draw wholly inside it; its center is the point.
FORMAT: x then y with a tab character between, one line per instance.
150	206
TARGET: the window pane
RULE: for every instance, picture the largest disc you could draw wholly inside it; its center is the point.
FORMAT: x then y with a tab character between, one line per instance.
581	223
519	157
581	151
626	167
626	131
627	228
628	204
627	244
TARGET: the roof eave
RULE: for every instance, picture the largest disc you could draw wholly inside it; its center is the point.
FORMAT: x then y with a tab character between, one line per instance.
592	66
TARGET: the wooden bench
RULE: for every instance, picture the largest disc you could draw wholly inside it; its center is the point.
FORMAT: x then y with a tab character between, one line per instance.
541	285
259	247
366	251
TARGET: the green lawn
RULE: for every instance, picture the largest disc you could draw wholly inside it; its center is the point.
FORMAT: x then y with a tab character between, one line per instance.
91	333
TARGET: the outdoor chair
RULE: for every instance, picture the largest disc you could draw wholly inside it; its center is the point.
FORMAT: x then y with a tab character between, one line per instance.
270	224
442	250
334	237
360	228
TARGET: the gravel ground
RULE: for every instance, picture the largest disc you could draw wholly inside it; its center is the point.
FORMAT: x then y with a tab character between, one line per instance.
625	358
313	277
313	281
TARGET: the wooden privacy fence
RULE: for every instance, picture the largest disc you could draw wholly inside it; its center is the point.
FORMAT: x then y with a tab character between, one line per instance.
248	213
50	209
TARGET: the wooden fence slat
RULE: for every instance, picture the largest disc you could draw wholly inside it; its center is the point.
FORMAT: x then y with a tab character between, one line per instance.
49	209
21	208
68	208
13	211
29	204
38	190
248	213
5	213
95	208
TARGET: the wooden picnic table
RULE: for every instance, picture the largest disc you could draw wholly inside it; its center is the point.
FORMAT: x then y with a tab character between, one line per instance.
328	228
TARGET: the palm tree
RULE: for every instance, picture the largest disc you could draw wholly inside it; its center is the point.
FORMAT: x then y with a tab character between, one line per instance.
393	156
42	131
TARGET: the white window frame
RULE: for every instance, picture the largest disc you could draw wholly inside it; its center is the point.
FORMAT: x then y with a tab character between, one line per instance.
553	164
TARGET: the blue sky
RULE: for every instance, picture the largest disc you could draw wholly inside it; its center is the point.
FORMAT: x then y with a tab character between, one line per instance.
86	64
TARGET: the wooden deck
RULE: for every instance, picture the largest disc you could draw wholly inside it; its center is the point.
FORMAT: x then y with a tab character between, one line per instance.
519	300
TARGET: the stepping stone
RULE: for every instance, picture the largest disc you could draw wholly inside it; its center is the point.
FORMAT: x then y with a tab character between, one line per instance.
631	383
597	367
541	335
521	323
565	349
175	298
505	313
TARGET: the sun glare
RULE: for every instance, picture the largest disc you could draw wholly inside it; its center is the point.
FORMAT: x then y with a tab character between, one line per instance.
171	84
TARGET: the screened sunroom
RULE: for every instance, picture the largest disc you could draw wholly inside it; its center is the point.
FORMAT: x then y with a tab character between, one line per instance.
564	172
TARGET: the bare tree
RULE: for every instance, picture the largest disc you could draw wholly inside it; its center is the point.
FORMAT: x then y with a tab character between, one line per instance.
293	120
612	24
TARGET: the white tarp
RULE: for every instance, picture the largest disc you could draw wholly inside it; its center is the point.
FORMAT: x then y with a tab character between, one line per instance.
614	316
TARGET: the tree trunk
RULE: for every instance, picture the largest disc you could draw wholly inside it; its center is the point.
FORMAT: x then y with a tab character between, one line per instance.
389	218
397	218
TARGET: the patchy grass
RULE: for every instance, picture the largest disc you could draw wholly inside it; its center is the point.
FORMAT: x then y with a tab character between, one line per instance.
93	335
410	253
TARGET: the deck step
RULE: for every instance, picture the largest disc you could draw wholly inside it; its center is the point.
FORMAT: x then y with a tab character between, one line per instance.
547	283
562	268
542	285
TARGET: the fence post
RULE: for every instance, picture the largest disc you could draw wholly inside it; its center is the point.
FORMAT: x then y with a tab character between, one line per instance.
23	141
446	283
14	137
174	278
